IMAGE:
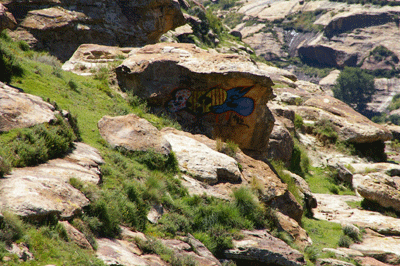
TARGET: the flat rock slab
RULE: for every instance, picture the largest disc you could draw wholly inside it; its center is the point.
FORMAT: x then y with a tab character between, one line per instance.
260	247
133	133
334	208
20	110
39	196
44	190
201	162
120	252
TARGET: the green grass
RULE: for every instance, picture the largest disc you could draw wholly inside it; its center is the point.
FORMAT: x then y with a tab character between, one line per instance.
323	234
322	180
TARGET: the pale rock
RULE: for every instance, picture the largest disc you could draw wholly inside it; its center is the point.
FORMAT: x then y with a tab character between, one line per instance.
155	213
259	247
20	110
39	196
119	252
76	236
255	173
334	208
202	257
381	188
91	57
304	189
203	163
368	261
344	252
298	234
21	250
332	262
132	133
201	250
330	80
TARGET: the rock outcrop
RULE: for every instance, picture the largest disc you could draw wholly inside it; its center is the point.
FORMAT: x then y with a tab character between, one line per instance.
19	110
61	26
201	162
350	125
132	133
219	95
7	20
42	191
259	247
382	189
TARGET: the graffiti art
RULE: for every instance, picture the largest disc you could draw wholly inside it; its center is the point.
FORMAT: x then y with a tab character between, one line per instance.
215	100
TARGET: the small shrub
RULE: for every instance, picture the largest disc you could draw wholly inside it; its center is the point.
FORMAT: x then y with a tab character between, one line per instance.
345	241
299	163
298	121
104	219
23	46
312	253
9	64
249	206
353	232
47	59
101	73
11	228
325	131
73	86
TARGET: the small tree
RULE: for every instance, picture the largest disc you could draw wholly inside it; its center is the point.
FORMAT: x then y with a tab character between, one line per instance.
354	87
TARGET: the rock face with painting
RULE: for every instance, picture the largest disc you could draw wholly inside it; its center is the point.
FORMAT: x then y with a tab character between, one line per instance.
221	96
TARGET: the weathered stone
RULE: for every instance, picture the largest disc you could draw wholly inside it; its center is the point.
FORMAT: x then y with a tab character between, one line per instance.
202	250
43	190
288	205
343	252
76	236
120	252
7	20
381	188
133	133
368	261
188	85
330	80
281	144
334	208
90	57
299	235
333	262
343	174
202	257
63	26
260	247
203	163
39	196
255	173
155	213
19	110
304	189
21	250
350	125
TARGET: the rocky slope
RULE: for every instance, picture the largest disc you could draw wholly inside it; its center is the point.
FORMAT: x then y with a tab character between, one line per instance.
216	97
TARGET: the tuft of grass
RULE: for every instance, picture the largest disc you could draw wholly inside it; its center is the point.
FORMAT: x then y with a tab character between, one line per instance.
345	241
353	232
11	228
300	163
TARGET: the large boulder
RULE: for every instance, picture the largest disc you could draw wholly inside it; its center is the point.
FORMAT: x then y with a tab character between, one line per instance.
19	110
132	133
350	125
203	163
219	95
259	248
44	190
61	26
382	189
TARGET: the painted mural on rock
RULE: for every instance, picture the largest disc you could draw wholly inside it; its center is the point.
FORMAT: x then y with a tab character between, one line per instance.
215	100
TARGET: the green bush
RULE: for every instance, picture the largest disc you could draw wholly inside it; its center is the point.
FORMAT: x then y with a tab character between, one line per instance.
353	232
345	241
298	121
354	87
300	163
9	63
104	219
325	131
249	206
11	228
